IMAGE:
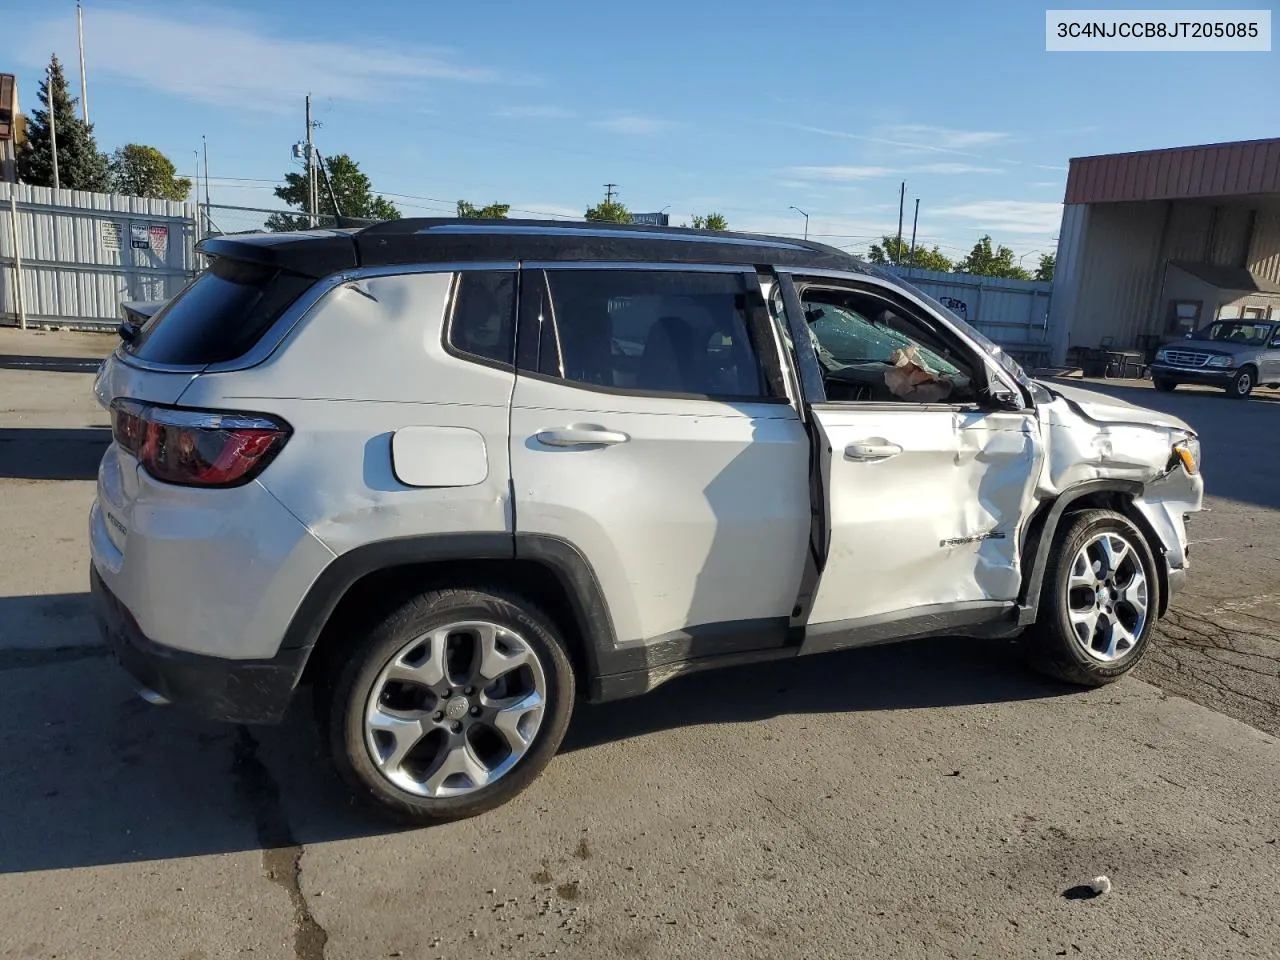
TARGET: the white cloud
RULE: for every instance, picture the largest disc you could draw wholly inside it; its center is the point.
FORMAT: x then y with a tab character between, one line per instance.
543	112
950	168
920	138
631	124
838	173
1011	216
228	59
946	137
842	173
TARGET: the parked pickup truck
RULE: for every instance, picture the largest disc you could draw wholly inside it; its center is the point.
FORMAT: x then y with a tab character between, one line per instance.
1236	355
454	475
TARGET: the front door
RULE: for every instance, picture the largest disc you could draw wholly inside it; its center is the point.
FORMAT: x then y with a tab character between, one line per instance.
926	486
650	428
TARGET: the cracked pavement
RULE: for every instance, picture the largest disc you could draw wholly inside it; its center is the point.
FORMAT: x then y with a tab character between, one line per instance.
921	800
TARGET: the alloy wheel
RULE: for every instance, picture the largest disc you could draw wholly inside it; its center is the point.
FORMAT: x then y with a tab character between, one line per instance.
455	709
1107	597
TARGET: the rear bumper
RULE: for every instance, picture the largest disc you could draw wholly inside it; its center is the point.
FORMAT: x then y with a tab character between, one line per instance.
235	691
1210	377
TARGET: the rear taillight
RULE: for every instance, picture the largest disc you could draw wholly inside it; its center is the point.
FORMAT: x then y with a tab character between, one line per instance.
197	448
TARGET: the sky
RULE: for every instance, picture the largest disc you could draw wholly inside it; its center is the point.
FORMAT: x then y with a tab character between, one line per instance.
748	109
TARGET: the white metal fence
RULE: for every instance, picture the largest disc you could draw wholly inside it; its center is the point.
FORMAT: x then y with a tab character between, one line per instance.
69	257
1013	313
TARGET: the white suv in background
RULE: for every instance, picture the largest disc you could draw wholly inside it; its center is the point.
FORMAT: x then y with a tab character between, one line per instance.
457	474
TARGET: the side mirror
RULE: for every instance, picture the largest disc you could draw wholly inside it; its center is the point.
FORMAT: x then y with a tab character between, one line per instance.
1276	342
128	331
1003	399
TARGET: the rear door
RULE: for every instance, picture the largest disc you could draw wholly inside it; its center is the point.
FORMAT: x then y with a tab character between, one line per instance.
650	429
926	486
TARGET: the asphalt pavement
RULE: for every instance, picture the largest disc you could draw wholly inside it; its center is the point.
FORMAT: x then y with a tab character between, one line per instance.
928	799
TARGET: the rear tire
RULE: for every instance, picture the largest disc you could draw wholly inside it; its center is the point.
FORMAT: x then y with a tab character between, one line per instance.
1163	385
1098	602
1242	383
448	706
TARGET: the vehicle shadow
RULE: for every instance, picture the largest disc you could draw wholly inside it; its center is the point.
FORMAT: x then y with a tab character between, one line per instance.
936	672
52	453
49	364
92	775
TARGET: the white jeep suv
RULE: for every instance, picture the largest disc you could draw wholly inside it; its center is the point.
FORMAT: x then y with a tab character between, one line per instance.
455	474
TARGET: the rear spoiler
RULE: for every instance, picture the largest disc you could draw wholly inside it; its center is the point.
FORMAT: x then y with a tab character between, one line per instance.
311	253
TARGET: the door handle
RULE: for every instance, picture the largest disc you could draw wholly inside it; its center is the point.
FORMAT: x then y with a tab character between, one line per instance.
871	450
581	435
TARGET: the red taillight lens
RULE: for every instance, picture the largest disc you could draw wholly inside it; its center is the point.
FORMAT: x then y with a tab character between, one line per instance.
195	447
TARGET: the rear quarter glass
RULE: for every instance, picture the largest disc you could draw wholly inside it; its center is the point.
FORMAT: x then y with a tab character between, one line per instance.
219	315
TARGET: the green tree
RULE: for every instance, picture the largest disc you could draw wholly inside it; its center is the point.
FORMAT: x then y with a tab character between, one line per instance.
141	171
352	188
81	165
712	221
985	261
494	211
1048	261
886	251
609	210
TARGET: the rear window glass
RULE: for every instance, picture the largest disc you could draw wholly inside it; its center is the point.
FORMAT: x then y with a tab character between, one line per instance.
484	310
219	315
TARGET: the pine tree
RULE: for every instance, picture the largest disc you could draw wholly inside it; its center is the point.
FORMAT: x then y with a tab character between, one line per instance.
81	166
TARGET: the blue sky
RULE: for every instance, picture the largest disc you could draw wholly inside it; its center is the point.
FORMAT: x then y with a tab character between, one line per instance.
745	108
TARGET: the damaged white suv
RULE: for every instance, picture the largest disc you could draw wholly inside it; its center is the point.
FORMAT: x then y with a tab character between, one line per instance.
454	475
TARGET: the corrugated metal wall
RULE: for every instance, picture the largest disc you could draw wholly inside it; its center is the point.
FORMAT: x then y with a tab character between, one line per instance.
1013	313
1229	242
1118	273
1264	254
1066	276
1212	170
83	253
1112	257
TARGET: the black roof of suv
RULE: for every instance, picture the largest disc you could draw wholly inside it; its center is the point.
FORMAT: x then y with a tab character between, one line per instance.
318	253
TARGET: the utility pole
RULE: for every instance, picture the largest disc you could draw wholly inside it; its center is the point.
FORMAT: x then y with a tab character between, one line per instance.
608	192
914	220
902	197
84	87
806	220
53	124
311	170
206	175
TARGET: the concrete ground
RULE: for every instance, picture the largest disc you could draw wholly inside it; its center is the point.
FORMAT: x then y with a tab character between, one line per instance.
923	800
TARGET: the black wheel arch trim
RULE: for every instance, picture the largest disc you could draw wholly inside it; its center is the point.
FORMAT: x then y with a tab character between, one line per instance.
346	569
1043	527
561	558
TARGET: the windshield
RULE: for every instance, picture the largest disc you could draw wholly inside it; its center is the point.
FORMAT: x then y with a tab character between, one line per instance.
1237	331
849	337
1006	362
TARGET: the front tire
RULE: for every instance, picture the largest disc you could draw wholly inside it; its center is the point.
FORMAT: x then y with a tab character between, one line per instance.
450	705
1242	383
1098	603
1163	385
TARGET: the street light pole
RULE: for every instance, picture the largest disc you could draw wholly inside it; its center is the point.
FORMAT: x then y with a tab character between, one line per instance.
53	125
806	219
